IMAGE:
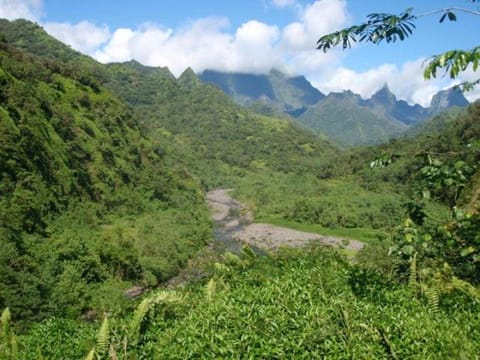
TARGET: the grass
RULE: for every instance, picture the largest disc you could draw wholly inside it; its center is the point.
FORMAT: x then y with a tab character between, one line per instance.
362	234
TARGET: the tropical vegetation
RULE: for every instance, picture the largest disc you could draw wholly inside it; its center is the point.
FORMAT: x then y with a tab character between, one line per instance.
104	169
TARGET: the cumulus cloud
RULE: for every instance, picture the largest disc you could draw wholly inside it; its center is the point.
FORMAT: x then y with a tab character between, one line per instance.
84	36
316	19
204	44
210	44
25	9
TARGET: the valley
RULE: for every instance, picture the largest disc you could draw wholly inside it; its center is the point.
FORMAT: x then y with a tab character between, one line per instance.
256	216
238	230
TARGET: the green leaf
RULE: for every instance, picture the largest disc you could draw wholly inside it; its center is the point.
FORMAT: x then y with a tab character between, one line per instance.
467	251
452	16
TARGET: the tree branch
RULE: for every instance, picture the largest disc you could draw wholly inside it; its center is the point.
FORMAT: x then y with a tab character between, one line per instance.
467	11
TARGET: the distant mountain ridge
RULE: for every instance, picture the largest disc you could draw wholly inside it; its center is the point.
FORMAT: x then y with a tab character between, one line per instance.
345	117
275	94
290	94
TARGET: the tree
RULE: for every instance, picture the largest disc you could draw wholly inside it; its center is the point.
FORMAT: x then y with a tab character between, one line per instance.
391	28
457	242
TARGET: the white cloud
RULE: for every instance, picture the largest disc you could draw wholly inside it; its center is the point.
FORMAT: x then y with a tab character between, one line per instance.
254	46
471	76
405	81
84	36
25	9
204	44
317	19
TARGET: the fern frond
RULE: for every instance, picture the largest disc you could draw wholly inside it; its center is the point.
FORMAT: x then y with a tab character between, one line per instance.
148	304
166	297
8	339
412	278
210	289
137	320
433	299
232	260
5	321
103	338
465	287
13	346
91	355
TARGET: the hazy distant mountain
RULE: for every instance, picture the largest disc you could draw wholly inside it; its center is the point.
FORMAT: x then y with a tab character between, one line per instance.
386	103
446	99
347	119
276	90
344	117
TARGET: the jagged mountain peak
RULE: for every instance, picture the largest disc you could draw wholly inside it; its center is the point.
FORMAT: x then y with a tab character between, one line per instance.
134	64
384	96
346	95
448	98
285	93
188	78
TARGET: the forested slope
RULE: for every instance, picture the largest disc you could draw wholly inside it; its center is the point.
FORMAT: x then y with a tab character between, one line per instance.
75	167
96	171
222	135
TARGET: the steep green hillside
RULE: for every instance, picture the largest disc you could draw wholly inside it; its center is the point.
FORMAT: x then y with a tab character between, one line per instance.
221	135
435	124
195	123
86	206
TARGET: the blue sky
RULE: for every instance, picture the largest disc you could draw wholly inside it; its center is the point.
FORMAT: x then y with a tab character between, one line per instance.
254	36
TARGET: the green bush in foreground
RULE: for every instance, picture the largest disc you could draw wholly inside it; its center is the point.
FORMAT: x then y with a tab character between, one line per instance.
293	305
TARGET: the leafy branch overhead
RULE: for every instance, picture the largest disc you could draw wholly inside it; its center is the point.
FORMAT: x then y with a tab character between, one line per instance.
390	28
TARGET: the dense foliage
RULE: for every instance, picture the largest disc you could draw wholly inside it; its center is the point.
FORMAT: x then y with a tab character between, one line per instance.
102	172
292	305
222	137
84	195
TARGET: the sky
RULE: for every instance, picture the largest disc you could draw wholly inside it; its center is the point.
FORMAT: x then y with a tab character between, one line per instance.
254	36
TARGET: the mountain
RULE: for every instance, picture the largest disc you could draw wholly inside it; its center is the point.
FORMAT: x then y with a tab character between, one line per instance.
359	121
446	99
385	103
436	124
348	120
219	135
290	94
